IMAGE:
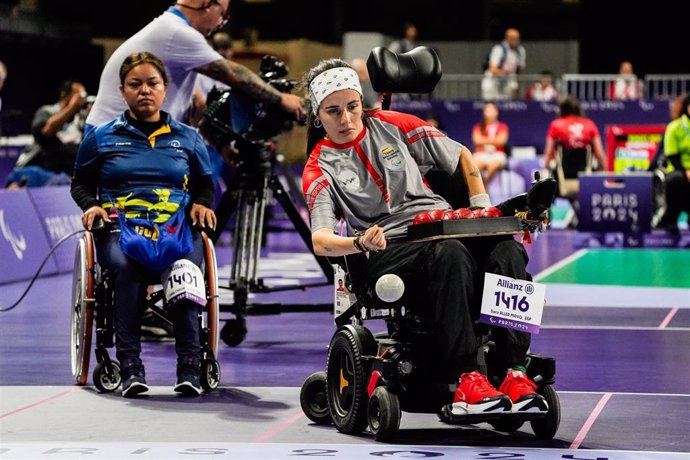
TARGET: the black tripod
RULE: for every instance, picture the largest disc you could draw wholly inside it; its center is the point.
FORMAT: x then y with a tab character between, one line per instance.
250	190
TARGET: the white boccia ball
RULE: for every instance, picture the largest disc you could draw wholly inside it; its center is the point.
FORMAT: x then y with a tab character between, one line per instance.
390	288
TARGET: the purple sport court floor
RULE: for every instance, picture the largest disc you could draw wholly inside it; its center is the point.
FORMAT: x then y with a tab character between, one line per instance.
623	377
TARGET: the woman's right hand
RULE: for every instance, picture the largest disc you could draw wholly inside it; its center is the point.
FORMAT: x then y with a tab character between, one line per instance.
91	214
373	239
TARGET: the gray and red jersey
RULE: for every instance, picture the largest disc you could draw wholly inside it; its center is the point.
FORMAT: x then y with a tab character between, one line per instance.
379	177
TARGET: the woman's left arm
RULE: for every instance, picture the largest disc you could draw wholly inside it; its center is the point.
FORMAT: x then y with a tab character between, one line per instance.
471	174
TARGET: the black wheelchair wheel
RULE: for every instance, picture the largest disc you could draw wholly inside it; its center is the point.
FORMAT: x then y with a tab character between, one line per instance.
347	377
210	374
82	308
104	380
546	428
234	331
507	425
383	414
313	398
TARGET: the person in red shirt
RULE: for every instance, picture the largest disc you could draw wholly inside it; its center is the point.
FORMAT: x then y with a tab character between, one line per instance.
542	90
490	137
572	130
626	87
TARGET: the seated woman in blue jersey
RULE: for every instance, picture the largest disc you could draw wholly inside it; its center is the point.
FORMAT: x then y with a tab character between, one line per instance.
150	177
368	169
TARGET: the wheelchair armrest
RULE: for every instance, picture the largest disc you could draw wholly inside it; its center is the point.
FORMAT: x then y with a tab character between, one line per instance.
417	71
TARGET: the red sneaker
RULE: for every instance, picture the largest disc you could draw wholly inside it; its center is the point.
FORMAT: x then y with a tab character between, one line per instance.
475	395
521	391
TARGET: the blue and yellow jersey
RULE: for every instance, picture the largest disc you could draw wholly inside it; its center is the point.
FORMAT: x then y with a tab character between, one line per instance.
146	177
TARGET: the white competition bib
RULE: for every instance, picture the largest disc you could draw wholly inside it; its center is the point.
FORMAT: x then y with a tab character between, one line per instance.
511	303
184	280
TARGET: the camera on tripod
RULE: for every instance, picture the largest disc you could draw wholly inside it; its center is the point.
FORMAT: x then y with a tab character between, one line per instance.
232	116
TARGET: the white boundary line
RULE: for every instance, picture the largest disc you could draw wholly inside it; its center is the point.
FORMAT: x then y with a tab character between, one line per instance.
560	264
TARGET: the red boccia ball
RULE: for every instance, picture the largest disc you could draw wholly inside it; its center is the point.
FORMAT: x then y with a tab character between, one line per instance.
436	214
478	213
462	213
492	211
421	218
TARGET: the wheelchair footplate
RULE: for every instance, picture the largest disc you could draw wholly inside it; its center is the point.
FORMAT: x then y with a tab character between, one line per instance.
471	419
464	228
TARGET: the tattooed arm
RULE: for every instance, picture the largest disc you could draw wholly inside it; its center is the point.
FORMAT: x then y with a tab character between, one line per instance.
470	172
240	77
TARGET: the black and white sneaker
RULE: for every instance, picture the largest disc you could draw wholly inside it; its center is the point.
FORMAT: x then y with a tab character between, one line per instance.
188	371
133	378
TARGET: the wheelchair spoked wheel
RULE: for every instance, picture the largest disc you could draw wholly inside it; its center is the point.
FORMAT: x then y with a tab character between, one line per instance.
313	398
210	367
347	377
107	380
82	308
546	428
212	308
383	414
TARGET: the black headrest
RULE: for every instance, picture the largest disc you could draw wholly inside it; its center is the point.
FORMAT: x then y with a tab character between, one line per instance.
417	71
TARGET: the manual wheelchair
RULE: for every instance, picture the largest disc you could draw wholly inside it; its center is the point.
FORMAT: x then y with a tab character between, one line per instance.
92	302
370	379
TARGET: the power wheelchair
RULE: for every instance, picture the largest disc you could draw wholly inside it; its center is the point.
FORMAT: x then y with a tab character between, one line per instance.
92	302
370	379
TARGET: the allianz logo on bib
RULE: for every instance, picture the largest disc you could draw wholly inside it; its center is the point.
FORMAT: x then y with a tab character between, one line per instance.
17	242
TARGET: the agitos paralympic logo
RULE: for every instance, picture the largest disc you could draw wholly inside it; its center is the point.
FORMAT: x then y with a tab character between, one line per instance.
17	242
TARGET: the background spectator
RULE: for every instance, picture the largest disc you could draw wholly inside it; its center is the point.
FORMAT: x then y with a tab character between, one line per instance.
506	60
57	130
490	139
626	86
544	89
408	40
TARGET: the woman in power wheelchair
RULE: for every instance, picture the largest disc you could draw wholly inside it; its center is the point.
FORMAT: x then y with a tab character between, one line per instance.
368	170
146	180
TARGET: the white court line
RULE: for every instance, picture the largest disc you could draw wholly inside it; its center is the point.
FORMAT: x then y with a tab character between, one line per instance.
560	264
615	296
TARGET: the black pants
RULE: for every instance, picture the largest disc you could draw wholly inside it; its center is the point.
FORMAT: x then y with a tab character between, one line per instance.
453	274
129	281
677	192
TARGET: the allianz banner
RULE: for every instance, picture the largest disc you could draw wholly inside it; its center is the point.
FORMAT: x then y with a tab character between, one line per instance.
59	216
23	242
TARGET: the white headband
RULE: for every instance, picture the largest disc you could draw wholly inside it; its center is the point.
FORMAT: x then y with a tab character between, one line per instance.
330	81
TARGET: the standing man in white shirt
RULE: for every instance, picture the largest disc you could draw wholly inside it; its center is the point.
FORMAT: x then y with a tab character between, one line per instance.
178	38
506	60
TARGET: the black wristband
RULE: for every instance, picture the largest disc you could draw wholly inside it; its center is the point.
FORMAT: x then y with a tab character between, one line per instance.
357	243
